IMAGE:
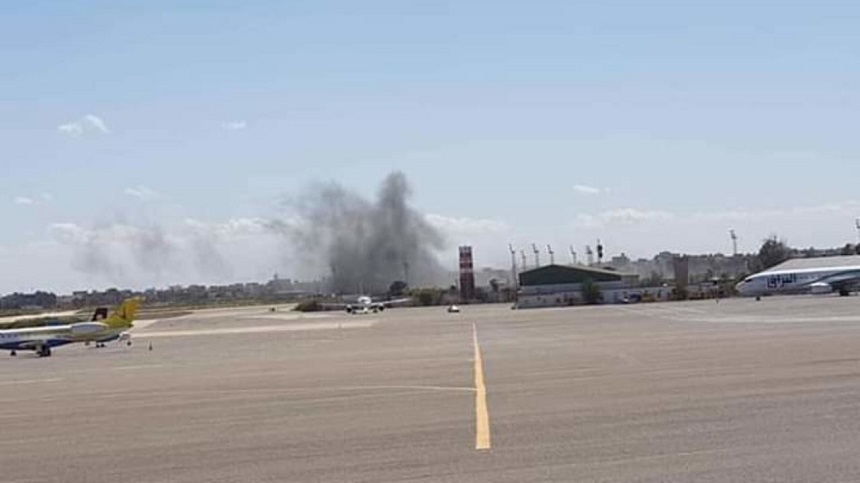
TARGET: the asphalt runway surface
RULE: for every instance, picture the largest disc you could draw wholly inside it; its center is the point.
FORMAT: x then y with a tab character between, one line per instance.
698	391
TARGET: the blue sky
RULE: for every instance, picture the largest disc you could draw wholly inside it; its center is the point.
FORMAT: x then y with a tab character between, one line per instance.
655	126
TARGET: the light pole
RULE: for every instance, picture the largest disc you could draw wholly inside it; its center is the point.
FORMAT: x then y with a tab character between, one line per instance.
513	264
734	242
857	224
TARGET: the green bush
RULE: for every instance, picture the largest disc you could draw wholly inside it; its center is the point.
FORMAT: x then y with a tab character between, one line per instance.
591	293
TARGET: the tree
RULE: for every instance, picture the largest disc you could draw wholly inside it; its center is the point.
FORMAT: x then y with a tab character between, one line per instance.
494	285
773	251
397	288
848	249
427	297
655	279
591	292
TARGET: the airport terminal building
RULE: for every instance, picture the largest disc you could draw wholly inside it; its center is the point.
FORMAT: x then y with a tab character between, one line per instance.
561	285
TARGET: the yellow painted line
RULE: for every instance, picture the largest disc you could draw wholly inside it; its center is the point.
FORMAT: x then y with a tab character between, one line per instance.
482	416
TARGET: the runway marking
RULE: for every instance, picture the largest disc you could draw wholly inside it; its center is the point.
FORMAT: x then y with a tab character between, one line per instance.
288	316
415	388
323	390
695	316
142	324
357	324
28	381
132	368
325	393
482	416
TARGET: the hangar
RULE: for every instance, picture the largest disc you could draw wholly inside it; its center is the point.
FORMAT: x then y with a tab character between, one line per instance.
560	285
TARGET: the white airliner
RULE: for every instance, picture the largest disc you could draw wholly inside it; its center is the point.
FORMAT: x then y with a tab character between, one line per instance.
364	304
99	330
841	275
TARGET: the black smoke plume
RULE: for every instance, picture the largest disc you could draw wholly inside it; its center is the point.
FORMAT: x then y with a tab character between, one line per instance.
362	245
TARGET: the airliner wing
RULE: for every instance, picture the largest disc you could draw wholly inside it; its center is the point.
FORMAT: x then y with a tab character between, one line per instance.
842	282
392	303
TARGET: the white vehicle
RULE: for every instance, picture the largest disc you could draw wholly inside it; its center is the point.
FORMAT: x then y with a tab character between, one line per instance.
841	279
453	309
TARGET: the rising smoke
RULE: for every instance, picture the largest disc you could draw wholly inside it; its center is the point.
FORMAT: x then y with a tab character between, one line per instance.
132	255
356	244
364	245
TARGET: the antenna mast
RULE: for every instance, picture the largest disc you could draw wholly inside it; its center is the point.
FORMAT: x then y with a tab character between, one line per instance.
513	264
734	237
857	224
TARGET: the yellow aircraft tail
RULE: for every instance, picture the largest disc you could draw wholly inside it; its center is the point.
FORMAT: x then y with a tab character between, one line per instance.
123	316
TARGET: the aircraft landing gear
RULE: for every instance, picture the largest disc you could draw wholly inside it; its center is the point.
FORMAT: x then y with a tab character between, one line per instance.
13	353
44	351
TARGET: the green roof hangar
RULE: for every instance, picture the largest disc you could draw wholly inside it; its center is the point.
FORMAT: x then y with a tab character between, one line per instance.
561	285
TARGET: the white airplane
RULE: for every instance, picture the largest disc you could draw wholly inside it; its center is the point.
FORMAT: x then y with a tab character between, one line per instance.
364	304
840	279
42	339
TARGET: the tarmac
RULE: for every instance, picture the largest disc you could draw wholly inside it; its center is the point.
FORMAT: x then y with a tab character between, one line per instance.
697	391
